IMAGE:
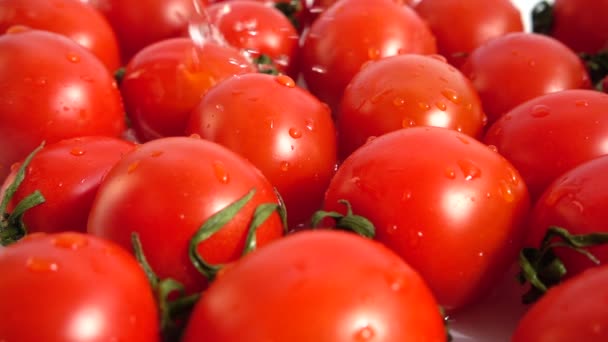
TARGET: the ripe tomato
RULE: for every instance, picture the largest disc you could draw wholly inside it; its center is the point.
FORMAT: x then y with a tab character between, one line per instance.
572	311
166	189
81	288
68	17
550	134
326	286
259	30
575	201
577	24
138	24
67	173
404	91
461	26
447	204
164	82
517	67
51	88
332	53
281	128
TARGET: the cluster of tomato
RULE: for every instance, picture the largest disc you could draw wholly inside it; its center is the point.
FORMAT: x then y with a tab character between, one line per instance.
284	170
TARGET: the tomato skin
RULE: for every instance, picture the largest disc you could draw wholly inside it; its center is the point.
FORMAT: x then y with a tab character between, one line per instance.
517	67
318	286
461	26
572	311
549	135
577	24
576	201
52	89
165	81
167	188
447	204
71	18
138	24
81	288
67	173
258	29
282	129
331	54
403	91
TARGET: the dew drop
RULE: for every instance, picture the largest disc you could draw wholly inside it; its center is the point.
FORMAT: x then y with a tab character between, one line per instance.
38	264
493	148
194	136
319	69
284	166
469	169
373	53
424	106
285	80
310	125
398	102
221	174
581	103
295	133
408	122
77	151
451	95
450	173
438	57
481	254
441	106
156	154
540	111
392	229
406	195
72	57
463	140
131	168
365	334
506	191
71	241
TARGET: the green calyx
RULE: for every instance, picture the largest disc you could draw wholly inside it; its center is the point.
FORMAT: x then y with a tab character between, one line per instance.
12	228
543	269
349	221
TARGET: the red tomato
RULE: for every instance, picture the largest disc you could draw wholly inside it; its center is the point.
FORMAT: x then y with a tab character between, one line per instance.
517	67
323	286
550	134
67	173
166	189
81	288
68	17
138	24
404	91
282	129
573	311
575	201
461	26
313	8
165	81
259	30
447	204
352	32
51	88
577	24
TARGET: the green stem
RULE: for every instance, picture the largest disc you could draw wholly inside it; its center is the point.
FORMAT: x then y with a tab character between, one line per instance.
348	222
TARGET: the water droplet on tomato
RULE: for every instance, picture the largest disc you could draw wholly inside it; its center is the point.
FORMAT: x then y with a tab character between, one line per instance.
366	333
398	101
438	57
424	106
463	139
156	154
531	63
451	95
481	254
310	125
132	167
194	136
493	148
581	103
373	53
40	264
71	241
540	111
319	69
41	81
370	139
450	173
392	229
295	133
408	122
285	81
77	151
441	106
284	166
469	169
506	191
73	57
221	174
406	195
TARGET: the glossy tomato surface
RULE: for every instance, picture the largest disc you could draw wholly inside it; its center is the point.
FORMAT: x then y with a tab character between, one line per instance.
281	128
352	32
324	286
51	88
67	174
550	134
449	205
71	18
166	80
406	91
82	289
520	66
166	189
